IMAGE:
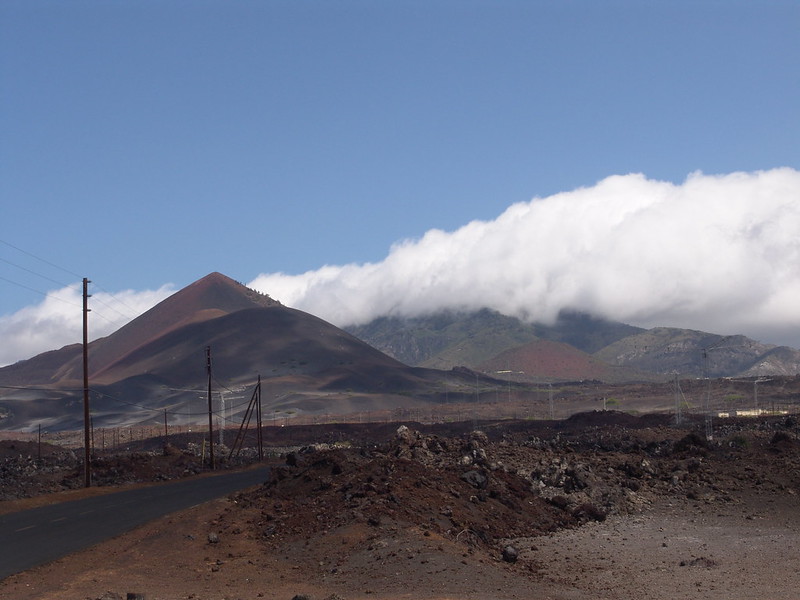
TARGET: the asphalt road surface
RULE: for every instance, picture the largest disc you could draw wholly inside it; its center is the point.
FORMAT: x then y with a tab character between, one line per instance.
34	537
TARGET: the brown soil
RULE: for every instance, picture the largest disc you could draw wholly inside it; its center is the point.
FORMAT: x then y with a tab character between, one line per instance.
602	505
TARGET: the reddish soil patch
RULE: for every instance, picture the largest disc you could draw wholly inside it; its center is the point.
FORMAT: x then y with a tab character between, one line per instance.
550	359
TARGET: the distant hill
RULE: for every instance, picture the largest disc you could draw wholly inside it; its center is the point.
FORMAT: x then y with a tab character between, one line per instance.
486	340
700	354
448	339
555	361
157	361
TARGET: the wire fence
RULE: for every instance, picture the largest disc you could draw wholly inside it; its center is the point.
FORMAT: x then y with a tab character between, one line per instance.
540	404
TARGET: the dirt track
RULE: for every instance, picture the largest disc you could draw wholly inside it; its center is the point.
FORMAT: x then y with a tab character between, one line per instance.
602	505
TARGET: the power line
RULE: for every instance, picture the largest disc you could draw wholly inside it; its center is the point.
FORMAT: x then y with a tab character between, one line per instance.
8	262
126	403
201	394
119	400
38	389
219	383
160	410
107	305
45	294
39	258
133	312
60	299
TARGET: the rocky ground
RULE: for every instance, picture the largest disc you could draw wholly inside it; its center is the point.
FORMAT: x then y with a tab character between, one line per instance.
28	469
601	505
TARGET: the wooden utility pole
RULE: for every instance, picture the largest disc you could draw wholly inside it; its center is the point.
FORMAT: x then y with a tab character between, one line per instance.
87	471
210	412
260	435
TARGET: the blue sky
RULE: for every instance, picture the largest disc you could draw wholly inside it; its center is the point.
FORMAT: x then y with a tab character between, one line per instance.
146	144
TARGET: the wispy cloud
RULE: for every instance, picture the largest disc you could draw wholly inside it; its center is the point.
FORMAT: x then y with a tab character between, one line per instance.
718	253
57	321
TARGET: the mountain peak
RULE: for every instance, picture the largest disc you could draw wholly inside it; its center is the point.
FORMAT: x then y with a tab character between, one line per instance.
215	276
212	296
219	291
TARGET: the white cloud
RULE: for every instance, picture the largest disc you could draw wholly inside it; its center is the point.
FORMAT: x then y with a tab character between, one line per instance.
58	320
717	253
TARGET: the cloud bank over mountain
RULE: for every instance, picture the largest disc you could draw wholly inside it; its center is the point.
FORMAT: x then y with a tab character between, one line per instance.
717	253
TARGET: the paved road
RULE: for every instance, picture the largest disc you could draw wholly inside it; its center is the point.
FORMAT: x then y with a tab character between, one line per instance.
34	537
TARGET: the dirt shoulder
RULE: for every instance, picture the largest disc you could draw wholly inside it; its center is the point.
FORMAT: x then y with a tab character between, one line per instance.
668	552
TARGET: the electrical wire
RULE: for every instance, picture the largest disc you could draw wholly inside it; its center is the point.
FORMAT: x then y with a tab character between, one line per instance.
31	271
40	259
151	409
45	294
60	299
39	389
107	305
131	315
135	313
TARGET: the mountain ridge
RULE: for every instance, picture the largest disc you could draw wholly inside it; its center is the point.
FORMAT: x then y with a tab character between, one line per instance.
448	339
157	361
